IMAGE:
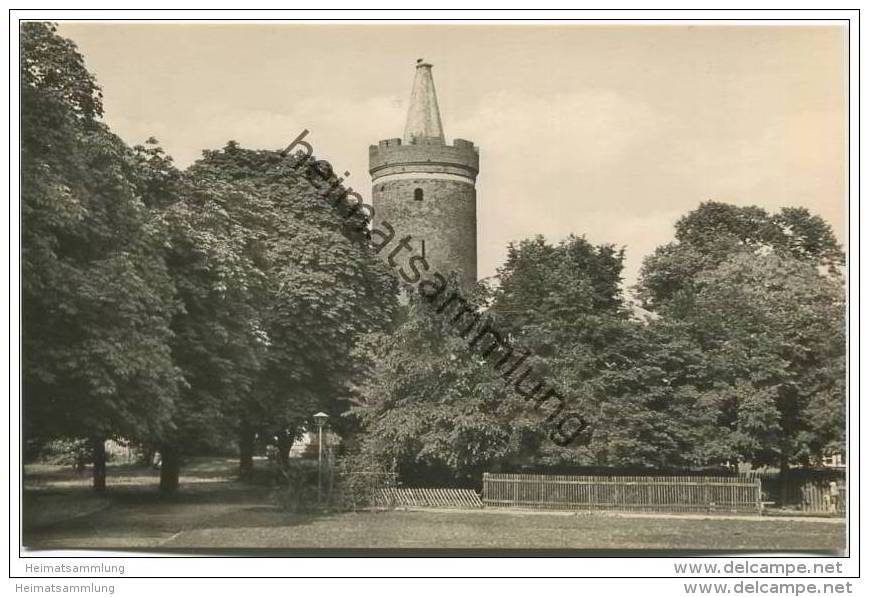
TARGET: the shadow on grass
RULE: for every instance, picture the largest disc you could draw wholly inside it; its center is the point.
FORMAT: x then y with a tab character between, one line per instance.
61	511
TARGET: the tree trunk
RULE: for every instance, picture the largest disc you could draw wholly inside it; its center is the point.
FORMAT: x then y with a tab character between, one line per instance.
245	450
285	442
170	468
783	480
147	456
98	444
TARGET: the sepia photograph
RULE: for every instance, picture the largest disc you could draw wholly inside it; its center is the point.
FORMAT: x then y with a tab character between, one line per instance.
407	288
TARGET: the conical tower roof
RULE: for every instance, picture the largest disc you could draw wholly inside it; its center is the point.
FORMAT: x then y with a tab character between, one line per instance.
423	116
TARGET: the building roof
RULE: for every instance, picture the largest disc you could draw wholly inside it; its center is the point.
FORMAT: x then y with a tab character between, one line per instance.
423	115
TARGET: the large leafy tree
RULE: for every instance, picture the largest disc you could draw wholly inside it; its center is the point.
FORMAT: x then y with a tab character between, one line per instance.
277	287
434	408
644	394
97	297
773	328
637	382
216	343
763	298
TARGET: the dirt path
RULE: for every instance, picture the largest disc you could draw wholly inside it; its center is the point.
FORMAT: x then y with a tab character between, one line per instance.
147	521
60	511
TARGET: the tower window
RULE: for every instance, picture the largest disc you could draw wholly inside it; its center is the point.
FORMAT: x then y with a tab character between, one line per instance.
417	194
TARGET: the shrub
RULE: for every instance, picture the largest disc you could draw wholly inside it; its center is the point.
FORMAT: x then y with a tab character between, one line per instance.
297	486
359	478
72	452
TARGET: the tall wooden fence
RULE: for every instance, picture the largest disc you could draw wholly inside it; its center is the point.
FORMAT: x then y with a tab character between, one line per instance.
807	490
642	494
817	498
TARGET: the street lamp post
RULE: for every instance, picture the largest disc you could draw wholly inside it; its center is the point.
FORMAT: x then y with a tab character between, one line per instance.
320	418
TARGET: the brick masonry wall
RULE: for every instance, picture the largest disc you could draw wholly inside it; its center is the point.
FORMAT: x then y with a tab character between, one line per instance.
445	219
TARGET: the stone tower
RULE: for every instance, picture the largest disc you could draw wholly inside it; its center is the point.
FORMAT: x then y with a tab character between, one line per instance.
425	188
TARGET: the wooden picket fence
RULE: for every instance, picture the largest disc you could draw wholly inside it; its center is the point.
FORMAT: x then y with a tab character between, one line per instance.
621	493
414	497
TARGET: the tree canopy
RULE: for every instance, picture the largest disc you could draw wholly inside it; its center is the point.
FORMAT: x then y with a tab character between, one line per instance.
715	231
743	361
762	297
261	224
97	298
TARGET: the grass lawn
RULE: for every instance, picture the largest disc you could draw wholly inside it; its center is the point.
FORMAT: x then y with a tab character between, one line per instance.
213	511
500	530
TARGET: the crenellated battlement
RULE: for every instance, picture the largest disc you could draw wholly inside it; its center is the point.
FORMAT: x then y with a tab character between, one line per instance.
392	156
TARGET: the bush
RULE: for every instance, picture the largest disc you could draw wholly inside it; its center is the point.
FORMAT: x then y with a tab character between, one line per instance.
359	478
72	452
297	486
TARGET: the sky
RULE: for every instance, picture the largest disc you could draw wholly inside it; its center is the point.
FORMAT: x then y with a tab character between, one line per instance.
607	132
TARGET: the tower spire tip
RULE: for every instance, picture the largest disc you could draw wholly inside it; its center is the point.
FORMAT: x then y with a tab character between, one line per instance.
423	116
